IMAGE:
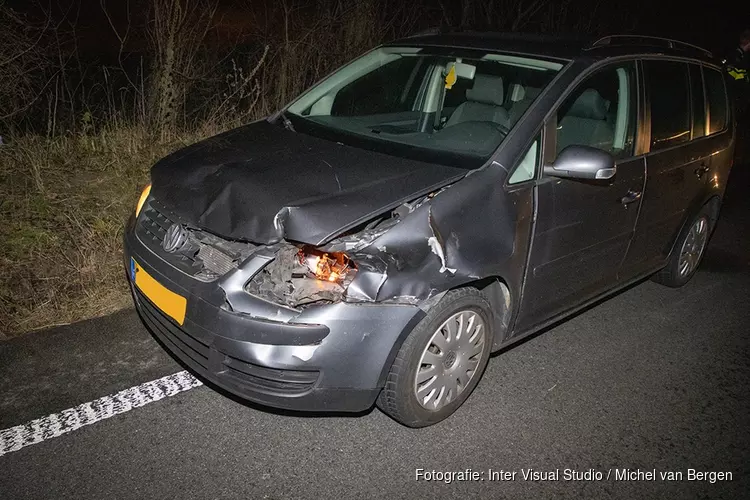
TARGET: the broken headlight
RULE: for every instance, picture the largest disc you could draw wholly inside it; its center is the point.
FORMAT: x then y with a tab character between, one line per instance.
301	276
335	267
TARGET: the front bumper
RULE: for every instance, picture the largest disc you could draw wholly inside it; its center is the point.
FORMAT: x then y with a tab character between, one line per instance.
331	358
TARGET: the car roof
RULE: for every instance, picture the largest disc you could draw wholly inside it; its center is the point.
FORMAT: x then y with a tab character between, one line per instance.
559	47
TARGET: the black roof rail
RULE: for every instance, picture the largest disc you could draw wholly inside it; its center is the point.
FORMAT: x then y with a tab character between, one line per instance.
648	40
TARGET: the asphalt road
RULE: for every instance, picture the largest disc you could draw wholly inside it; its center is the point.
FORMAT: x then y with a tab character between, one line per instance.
653	378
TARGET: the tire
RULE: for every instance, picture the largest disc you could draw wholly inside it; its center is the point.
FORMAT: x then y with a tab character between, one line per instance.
675	274
399	399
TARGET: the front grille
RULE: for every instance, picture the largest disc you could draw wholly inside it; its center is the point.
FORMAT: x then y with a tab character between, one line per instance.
204	256
153	223
220	366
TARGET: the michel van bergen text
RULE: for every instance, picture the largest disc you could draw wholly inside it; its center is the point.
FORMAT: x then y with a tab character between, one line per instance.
572	475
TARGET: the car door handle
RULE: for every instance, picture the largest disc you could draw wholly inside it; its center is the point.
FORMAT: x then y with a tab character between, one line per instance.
631	197
701	171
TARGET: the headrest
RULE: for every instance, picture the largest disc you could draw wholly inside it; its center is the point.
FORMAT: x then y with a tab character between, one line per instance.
590	104
487	90
517	92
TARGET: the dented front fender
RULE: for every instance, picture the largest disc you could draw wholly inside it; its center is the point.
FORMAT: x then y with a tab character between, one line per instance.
448	241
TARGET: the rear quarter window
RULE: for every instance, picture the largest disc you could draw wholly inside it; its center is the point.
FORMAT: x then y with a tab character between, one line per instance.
716	95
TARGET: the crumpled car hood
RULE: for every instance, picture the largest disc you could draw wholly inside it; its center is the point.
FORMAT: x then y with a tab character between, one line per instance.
262	183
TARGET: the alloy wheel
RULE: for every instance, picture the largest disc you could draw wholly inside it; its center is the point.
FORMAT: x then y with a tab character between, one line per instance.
450	360
693	246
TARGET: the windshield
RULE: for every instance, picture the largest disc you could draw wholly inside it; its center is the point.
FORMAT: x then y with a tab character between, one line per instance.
452	103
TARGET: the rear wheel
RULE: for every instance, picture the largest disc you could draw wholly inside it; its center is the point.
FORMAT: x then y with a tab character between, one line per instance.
688	251
441	361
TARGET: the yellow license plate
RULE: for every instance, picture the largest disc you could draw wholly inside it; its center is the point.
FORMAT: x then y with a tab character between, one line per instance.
170	303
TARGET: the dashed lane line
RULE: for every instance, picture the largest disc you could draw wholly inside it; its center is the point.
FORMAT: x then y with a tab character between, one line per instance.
57	424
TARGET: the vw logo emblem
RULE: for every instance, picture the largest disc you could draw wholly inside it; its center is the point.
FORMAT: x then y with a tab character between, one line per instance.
175	238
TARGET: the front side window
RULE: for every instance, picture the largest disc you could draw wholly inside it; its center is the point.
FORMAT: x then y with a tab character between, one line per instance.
716	94
526	169
601	112
438	104
668	89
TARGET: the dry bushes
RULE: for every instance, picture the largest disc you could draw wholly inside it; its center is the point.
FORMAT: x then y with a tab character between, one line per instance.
63	204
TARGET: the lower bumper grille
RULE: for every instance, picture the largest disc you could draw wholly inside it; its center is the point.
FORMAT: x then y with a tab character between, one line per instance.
187	345
222	367
260	378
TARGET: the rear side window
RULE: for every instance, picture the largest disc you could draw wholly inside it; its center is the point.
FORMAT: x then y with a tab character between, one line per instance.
668	90
699	104
717	100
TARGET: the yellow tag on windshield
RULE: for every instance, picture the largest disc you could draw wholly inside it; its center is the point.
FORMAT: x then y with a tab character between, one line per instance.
450	78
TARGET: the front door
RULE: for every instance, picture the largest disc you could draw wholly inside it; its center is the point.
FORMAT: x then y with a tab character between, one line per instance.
583	228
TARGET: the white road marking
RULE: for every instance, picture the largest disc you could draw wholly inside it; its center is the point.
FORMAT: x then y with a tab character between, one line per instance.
57	424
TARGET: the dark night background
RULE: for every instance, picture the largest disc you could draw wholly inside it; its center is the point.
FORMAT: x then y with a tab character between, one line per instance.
77	40
714	25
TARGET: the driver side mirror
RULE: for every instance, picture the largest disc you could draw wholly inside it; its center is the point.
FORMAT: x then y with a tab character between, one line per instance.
582	162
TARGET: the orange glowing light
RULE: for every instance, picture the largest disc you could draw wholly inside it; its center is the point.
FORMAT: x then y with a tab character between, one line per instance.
333	267
315	263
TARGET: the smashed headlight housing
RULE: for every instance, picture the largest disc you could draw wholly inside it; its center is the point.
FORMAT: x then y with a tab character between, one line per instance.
302	275
335	267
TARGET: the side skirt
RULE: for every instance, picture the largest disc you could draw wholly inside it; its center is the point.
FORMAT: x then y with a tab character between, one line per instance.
518	336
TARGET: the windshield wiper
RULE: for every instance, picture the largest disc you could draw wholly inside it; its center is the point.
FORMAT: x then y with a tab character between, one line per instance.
286	122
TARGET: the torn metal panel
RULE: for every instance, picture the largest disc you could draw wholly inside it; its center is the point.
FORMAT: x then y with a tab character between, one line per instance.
437	249
435	243
274	281
264	184
360	240
445	242
372	272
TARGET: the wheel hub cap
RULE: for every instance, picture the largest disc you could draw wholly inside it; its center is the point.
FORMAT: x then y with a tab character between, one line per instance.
450	360
692	248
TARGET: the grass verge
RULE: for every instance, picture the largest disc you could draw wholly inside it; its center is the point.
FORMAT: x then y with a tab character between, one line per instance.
63	204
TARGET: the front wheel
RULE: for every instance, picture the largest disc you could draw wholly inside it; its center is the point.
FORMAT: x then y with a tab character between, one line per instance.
688	251
441	361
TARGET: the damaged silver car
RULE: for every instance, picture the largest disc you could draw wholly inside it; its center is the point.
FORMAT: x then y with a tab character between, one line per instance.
432	202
